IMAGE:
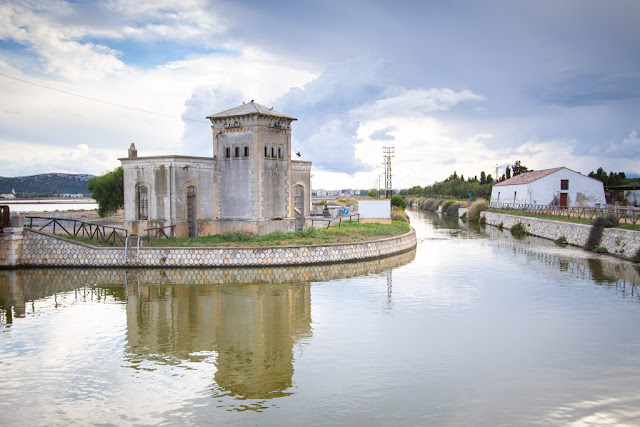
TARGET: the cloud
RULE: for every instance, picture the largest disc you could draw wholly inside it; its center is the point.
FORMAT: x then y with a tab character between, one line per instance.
416	102
383	134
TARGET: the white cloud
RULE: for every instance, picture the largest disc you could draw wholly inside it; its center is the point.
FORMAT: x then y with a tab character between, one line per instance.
417	102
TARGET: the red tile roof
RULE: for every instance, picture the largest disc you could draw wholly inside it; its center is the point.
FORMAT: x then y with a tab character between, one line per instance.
527	177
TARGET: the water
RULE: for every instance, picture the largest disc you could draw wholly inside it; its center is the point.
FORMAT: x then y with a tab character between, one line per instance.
472	328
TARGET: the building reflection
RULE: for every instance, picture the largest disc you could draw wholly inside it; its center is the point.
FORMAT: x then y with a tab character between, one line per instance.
252	330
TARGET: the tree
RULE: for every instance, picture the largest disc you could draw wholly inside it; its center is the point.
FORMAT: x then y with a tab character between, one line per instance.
483	178
508	172
398	200
108	191
519	168
372	193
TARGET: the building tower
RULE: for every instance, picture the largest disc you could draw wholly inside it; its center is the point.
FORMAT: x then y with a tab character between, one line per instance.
388	153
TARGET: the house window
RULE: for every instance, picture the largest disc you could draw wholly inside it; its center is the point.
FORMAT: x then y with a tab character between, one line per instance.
143	203
227	152
279	152
246	151
266	151
273	152
237	152
564	184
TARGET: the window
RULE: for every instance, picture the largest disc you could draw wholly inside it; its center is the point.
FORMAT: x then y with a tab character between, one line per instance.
266	151
273	152
227	152
246	151
237	152
279	152
564	184
143	203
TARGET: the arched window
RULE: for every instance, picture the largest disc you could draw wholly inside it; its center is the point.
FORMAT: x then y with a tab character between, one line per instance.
279	152
246	151
227	152
237	152
143	203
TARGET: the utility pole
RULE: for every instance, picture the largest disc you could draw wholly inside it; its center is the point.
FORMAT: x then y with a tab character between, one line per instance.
388	153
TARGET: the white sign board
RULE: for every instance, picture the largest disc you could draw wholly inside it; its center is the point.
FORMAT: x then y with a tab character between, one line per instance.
374	209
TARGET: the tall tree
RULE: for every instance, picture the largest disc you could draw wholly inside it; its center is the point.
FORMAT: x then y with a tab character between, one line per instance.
519	168
108	191
508	172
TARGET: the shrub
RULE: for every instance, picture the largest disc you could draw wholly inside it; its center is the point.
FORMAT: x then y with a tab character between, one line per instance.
398	214
597	229
464	217
518	230
447	204
560	241
475	209
398	200
636	257
601	250
451	210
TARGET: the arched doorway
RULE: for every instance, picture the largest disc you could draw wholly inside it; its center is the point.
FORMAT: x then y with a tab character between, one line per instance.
192	217
298	206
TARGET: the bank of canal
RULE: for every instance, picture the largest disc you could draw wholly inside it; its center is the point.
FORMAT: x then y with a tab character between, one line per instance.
473	327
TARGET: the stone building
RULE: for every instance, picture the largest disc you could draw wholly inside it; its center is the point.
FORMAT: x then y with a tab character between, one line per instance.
250	184
549	187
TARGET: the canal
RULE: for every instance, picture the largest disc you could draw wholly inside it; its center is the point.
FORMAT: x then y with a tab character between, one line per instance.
474	327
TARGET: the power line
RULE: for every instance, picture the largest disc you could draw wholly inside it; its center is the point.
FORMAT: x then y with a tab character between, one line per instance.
101	101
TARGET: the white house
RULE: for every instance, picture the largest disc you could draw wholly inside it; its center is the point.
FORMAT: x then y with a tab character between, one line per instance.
549	187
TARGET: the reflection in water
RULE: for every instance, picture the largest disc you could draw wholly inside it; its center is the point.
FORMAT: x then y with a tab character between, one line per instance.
250	330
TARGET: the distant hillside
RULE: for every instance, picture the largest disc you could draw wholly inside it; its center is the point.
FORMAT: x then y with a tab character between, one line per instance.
46	184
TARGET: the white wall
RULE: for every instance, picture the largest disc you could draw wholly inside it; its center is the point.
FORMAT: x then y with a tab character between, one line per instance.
374	208
583	191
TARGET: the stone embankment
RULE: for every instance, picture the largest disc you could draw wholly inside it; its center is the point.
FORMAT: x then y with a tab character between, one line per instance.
44	250
624	243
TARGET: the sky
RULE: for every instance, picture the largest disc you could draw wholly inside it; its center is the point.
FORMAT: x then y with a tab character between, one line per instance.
465	86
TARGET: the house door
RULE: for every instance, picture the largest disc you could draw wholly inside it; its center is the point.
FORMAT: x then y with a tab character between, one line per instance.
298	206
192	220
563	200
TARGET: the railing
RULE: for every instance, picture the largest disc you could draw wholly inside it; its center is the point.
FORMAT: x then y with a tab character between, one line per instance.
158	232
339	219
624	214
103	233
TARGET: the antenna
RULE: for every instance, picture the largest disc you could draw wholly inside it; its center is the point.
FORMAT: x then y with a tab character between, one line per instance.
388	153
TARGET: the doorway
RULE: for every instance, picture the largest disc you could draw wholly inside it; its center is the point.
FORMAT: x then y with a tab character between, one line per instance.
564	200
192	220
298	206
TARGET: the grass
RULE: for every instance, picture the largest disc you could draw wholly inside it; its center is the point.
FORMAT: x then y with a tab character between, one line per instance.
349	232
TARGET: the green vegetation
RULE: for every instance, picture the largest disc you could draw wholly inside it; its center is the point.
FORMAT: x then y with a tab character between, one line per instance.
597	229
474	210
613	178
600	250
372	193
398	200
636	257
348	232
561	241
398	214
108	191
518	230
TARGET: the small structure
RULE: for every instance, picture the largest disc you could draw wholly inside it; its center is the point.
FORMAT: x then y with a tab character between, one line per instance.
378	211
250	184
549	187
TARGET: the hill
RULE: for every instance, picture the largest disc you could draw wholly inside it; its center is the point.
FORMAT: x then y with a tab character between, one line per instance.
46	184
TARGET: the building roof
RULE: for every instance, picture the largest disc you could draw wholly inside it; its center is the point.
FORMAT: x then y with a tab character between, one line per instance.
527	177
250	108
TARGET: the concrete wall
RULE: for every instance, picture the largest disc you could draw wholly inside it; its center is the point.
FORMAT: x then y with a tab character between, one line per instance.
583	191
620	242
235	177
301	175
11	242
167	179
41	249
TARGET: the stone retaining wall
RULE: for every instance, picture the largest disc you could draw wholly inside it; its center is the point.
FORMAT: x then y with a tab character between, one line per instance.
624	243
44	250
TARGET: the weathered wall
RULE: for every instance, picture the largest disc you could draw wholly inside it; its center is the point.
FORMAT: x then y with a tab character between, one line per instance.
620	242
235	174
275	174
167	179
11	240
41	249
301	175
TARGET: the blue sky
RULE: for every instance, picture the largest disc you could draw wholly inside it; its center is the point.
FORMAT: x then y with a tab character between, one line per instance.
458	85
